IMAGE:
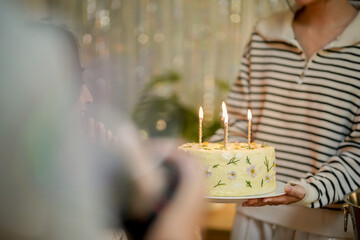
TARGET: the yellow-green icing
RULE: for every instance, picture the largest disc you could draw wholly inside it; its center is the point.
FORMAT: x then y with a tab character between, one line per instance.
238	170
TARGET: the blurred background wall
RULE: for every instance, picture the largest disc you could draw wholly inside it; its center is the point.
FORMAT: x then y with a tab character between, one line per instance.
184	53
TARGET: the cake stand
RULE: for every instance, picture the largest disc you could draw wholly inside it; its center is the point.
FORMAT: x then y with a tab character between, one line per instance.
279	190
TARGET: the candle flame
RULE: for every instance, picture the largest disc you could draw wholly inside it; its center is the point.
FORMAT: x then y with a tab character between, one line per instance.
224	113
201	113
249	115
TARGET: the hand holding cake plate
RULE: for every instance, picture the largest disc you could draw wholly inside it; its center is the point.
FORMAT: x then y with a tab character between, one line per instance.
293	194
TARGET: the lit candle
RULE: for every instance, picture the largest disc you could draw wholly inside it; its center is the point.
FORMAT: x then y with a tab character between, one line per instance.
201	117
226	124
249	126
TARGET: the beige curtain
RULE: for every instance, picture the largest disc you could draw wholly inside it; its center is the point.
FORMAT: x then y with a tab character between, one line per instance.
126	42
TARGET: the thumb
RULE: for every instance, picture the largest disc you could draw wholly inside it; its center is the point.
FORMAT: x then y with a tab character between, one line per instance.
297	191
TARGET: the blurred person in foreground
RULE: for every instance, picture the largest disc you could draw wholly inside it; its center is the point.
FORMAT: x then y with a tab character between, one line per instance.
54	183
162	201
300	77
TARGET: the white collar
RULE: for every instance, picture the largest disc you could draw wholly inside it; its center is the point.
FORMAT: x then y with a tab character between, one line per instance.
279	27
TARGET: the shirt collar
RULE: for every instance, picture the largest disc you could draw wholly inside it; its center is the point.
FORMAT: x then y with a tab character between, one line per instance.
279	27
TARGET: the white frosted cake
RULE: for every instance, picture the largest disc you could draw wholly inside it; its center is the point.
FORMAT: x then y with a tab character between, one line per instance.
238	170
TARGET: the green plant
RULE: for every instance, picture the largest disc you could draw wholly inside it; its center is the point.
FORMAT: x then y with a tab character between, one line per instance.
160	112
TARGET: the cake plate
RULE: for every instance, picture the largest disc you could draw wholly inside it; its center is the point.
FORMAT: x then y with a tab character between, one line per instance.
279	190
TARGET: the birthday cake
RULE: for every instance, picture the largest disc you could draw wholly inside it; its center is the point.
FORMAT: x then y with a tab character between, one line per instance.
238	170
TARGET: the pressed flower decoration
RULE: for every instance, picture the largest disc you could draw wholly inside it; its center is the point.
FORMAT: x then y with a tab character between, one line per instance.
251	170
232	175
205	144
268	178
248	183
219	184
248	160
268	168
208	172
233	161
227	155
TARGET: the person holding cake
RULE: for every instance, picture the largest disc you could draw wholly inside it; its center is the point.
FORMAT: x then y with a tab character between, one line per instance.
300	78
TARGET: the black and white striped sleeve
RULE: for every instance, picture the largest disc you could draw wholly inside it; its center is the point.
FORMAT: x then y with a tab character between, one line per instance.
341	174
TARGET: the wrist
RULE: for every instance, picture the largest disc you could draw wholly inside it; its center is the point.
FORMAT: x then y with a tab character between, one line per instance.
311	194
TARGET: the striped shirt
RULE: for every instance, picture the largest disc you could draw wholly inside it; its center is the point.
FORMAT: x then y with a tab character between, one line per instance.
309	110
